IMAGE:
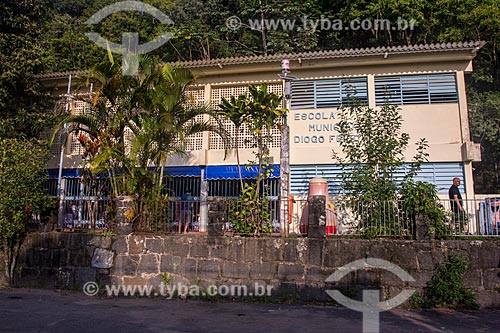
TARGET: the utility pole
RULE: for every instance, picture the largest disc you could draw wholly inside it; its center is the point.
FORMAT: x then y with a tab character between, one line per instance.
285	149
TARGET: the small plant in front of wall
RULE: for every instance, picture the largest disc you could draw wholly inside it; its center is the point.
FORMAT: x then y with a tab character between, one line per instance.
446	287
251	214
166	278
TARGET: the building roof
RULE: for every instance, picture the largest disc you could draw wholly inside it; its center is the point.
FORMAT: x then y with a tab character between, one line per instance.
472	46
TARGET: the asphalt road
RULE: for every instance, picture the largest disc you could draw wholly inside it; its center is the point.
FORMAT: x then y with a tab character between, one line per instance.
33	310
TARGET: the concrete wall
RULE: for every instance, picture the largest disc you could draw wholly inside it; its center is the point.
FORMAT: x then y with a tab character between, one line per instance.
294	267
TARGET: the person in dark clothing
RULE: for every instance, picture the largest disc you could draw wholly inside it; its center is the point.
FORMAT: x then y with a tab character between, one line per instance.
457	207
186	210
455	197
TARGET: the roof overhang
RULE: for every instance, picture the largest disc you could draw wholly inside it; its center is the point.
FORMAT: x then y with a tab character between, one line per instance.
423	53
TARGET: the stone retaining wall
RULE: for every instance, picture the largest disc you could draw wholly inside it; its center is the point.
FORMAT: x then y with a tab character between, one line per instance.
294	267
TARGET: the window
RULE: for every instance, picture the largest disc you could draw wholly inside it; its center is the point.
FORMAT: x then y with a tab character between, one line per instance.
416	89
330	93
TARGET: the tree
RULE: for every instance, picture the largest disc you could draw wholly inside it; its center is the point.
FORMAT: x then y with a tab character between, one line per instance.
236	111
261	112
485	127
372	151
135	123
22	98
22	165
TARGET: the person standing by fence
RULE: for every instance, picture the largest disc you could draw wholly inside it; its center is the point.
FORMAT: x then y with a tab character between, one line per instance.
457	207
186	210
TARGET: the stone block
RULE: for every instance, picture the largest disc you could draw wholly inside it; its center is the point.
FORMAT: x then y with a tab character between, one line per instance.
252	249
57	258
426	261
54	240
208	269
389	279
148	264
218	252
403	255
170	263
271	249
236	250
289	251
317	275
235	270
368	277
80	258
154	245
102	258
421	278
176	248
124	266
135	281
315	255
189	268
491	279
198	249
120	245
64	277
473	279
312	293
263	270
84	275
316	217
291	272
486	255
488	299
136	244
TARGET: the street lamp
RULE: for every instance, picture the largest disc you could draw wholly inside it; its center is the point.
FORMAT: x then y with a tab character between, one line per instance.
285	148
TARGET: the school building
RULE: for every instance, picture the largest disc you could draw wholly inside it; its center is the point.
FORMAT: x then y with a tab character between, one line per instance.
427	82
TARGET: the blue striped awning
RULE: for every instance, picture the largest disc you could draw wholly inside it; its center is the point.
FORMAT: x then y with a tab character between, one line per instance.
231	171
211	172
66	173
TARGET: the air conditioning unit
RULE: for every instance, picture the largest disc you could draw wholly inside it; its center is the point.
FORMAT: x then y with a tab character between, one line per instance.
471	152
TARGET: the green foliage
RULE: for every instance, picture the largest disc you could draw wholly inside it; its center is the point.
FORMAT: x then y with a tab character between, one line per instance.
484	116
22	166
133	124
372	150
260	111
21	53
419	199
446	287
251	214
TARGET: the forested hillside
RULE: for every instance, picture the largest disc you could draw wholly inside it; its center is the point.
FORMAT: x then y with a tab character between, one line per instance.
48	35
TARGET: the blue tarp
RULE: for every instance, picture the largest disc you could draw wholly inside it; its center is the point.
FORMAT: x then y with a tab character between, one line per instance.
211	172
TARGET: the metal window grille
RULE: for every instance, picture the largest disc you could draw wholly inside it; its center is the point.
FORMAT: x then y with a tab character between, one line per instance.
416	89
328	93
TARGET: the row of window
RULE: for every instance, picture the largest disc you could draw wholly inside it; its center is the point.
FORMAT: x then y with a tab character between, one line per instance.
399	90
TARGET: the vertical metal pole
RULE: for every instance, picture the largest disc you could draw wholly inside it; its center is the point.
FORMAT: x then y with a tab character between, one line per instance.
81	194
285	160
60	183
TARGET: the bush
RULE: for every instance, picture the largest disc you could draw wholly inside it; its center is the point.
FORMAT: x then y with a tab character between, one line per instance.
22	165
420	199
446	287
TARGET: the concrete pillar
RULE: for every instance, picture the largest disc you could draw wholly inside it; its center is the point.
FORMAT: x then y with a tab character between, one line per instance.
316	216
217	212
203	201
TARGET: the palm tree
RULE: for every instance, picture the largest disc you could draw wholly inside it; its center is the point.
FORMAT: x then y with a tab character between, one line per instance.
236	111
136	122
